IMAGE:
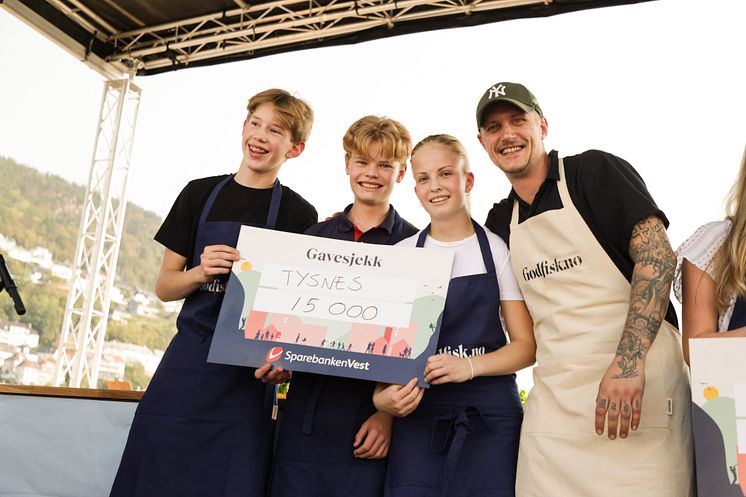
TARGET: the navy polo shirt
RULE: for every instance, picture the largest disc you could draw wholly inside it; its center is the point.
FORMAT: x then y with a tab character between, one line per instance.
392	230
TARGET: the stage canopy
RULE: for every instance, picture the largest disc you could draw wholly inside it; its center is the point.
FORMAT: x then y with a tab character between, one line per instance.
142	37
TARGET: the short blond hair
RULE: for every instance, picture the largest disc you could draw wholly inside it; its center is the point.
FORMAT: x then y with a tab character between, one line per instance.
447	141
295	114
394	138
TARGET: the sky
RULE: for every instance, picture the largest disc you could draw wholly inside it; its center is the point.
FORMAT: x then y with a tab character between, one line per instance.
659	84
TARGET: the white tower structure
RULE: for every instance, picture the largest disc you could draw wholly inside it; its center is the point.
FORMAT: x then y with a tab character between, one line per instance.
86	312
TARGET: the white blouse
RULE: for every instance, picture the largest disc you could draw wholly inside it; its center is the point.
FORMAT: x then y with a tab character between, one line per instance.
700	249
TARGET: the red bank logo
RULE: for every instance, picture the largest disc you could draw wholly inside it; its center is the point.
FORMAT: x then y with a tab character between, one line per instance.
274	353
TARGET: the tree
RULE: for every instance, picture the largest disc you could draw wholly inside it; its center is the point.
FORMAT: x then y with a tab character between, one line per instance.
135	373
153	332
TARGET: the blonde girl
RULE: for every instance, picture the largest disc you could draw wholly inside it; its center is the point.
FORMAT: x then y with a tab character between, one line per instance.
460	437
710	282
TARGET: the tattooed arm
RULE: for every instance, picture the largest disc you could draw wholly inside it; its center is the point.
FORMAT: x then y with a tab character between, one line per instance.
619	399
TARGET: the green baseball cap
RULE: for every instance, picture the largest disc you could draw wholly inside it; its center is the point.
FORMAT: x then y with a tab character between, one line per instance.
513	93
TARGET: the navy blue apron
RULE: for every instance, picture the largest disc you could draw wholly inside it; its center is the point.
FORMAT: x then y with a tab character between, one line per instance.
320	418
462	440
201	429
738	318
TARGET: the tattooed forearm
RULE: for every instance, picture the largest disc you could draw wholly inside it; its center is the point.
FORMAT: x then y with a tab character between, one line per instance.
628	353
655	264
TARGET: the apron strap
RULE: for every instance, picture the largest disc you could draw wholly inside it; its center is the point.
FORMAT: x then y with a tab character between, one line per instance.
211	199
484	245
272	214
514	215
562	184
274	205
423	236
206	210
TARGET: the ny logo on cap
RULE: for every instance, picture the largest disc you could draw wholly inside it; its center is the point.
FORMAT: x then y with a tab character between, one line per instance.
497	91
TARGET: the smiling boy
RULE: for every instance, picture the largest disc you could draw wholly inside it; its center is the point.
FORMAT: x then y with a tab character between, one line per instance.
204	429
333	442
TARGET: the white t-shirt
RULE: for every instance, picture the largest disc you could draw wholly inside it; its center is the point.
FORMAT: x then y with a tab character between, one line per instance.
468	260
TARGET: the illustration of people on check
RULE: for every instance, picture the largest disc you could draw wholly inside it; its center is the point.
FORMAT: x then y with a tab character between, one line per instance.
717	417
301	322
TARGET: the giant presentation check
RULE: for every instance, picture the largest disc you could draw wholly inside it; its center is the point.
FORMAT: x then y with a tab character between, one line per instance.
332	307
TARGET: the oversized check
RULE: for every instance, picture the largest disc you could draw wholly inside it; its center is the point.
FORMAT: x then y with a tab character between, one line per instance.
718	376
332	307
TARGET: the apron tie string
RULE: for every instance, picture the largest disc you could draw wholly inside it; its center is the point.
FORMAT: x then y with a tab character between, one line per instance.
311	407
455	428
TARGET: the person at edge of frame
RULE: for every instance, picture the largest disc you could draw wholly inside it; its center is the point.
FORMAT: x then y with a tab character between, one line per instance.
332	441
203	429
589	247
711	287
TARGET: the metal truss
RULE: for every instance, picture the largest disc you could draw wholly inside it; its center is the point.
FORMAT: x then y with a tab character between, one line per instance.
86	313
255	27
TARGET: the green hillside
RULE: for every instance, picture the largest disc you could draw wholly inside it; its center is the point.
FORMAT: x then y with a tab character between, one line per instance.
38	209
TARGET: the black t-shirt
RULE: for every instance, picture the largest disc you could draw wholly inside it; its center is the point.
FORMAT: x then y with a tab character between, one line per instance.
235	202
609	194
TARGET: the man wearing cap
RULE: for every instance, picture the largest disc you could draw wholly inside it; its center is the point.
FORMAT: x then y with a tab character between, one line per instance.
609	413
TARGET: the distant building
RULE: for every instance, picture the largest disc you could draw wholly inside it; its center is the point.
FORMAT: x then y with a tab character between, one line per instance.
40	256
116	296
6	243
141	305
172	307
112	366
26	368
18	335
8	367
117	315
27	373
6	351
61	271
135	353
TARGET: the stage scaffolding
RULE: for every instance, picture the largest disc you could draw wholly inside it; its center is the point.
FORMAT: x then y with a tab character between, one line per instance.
94	268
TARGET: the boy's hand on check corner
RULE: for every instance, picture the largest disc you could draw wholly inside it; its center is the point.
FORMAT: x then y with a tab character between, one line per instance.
273	376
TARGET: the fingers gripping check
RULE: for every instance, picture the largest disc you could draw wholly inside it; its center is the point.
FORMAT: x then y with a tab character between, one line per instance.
398	400
269	374
217	259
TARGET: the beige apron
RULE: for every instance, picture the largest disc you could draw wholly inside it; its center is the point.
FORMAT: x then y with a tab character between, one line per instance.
579	301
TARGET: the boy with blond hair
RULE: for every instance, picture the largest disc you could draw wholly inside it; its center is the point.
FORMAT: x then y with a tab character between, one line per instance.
204	429
333	442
